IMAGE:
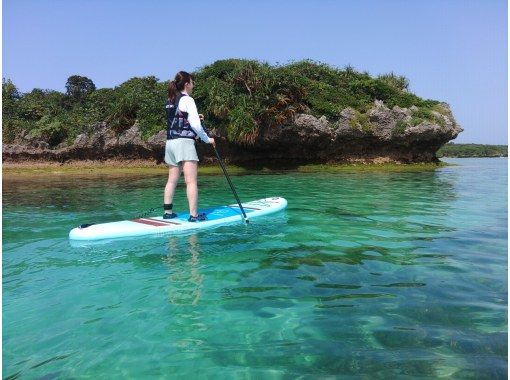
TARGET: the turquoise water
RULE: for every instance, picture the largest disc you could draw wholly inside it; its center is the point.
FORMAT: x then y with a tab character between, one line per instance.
369	275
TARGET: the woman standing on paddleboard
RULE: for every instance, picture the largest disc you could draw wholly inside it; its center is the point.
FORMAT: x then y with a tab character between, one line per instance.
183	127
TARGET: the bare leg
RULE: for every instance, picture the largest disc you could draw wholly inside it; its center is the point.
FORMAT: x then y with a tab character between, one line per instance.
174	172
190	169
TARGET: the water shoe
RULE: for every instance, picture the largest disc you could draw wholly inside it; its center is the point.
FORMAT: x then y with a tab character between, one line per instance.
199	218
166	215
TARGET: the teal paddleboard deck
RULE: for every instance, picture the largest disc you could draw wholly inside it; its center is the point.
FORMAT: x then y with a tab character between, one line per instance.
216	216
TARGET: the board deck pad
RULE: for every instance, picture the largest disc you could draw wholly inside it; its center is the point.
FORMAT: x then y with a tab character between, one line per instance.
216	216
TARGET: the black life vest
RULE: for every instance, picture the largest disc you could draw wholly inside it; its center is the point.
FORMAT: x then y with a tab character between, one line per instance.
177	125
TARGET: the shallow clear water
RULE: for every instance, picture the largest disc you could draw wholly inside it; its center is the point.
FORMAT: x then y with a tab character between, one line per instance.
366	275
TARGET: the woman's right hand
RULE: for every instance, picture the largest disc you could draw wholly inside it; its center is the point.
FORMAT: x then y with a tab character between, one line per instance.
211	141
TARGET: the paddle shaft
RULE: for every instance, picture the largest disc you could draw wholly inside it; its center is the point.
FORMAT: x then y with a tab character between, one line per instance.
230	183
227	177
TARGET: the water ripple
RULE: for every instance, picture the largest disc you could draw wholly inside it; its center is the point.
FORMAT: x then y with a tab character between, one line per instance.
372	275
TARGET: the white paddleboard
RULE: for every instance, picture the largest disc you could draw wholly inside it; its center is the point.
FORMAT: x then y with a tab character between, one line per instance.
156	225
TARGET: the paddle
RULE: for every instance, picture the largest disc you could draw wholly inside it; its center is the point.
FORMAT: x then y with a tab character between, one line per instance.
230	183
226	174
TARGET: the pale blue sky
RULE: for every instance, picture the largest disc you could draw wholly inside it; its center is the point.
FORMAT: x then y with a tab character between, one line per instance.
451	50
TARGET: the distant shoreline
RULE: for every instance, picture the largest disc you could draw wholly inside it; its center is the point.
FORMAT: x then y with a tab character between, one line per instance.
453	150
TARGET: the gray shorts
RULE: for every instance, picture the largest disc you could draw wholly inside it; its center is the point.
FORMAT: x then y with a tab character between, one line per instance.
178	150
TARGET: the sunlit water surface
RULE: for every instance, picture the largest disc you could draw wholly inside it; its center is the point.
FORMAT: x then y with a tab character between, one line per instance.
371	275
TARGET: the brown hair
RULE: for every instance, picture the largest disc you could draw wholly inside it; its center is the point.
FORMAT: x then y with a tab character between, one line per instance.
177	85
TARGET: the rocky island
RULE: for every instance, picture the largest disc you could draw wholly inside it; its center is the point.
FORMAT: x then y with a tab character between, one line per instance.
304	112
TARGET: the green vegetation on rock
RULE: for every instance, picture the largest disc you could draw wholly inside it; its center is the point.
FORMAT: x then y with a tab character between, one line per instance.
399	128
91	168
239	97
360	121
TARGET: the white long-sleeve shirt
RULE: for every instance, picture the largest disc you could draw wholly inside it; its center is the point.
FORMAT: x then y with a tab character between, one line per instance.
187	104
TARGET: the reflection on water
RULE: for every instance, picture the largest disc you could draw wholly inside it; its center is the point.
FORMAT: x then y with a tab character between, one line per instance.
370	275
185	279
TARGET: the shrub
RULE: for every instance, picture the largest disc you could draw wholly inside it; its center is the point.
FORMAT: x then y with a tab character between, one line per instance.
398	82
399	128
416	121
245	97
361	121
53	132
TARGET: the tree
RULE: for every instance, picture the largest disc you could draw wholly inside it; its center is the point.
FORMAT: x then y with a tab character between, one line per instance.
10	96
10	110
77	87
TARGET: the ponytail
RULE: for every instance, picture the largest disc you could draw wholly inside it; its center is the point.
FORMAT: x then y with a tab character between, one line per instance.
172	91
177	85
